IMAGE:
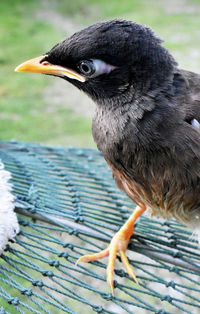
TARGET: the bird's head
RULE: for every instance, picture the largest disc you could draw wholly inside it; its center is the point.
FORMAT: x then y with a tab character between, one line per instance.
108	60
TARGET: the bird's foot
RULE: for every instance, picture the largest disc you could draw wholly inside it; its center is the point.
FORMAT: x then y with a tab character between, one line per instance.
118	245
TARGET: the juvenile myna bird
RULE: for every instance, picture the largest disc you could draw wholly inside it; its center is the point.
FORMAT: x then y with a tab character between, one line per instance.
146	122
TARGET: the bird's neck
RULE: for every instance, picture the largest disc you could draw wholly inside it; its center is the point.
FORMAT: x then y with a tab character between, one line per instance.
126	119
138	96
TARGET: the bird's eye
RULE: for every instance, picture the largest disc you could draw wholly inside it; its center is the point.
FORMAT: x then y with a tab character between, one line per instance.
94	67
87	67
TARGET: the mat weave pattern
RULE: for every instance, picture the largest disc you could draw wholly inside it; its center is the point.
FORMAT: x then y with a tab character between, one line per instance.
68	205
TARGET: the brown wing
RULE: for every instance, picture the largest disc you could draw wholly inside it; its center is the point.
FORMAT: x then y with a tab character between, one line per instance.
191	100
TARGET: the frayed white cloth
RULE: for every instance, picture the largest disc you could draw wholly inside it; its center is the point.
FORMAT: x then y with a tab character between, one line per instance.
9	226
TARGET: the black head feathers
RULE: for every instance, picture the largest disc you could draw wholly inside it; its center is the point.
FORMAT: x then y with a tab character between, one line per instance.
110	59
132	49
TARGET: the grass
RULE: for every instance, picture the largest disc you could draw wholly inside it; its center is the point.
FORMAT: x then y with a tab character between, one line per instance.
24	114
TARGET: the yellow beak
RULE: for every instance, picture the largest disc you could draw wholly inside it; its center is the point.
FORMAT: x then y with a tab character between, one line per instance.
36	65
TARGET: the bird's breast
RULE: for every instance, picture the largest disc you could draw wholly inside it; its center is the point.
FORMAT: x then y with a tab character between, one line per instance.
110	128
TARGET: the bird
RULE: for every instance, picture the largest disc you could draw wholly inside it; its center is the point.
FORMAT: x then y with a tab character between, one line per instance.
146	123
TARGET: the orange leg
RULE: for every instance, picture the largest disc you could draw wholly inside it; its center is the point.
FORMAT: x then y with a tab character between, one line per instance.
119	245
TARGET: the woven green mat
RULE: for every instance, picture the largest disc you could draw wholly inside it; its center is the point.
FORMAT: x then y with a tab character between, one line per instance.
68	205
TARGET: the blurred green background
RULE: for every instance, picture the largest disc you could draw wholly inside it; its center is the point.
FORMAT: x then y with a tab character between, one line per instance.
43	109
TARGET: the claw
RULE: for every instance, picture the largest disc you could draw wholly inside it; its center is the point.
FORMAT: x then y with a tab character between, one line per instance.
110	268
128	267
110	282
119	245
93	257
